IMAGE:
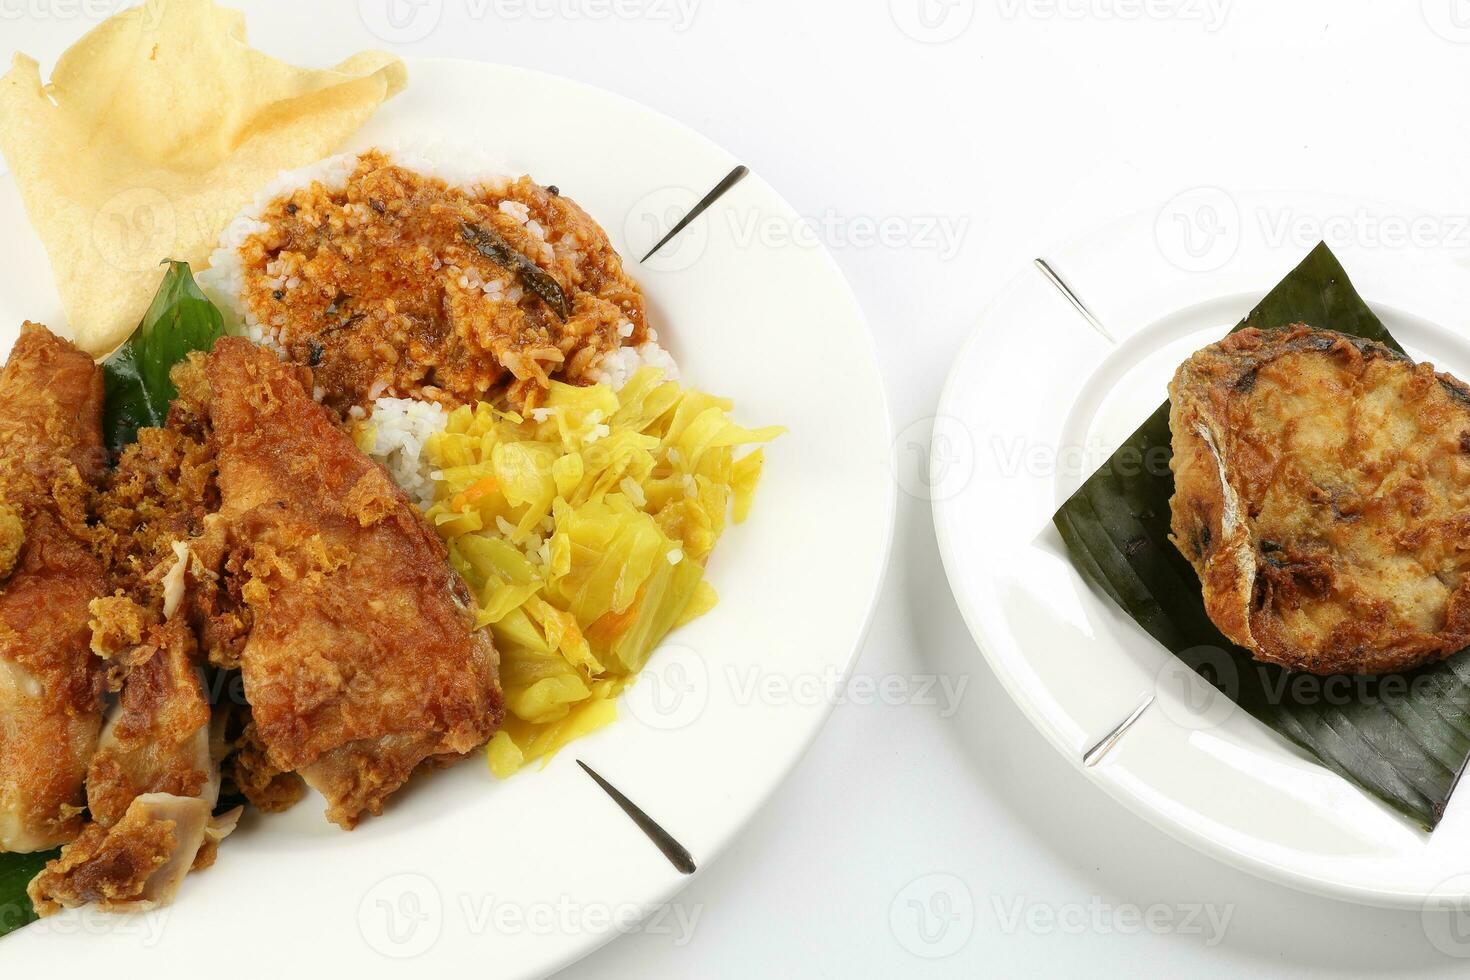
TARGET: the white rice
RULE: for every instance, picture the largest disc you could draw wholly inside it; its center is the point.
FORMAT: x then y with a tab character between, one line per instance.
400	427
617	366
516	210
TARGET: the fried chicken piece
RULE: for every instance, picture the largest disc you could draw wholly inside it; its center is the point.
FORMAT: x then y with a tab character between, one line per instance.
156	739
362	659
154	780
1322	493
51	460
135	865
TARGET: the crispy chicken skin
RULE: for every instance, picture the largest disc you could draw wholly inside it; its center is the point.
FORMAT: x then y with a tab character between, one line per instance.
362	660
51	459
1322	493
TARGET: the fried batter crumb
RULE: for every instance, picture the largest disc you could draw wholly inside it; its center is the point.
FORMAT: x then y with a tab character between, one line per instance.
163	488
373	498
12	538
266	786
117	625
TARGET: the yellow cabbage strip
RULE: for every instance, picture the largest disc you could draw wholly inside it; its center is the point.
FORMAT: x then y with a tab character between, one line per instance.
584	532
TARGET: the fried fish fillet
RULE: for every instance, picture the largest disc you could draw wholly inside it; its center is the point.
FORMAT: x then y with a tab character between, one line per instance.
1322	493
51	460
362	660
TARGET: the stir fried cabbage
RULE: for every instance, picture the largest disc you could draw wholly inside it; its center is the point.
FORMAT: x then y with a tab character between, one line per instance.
584	531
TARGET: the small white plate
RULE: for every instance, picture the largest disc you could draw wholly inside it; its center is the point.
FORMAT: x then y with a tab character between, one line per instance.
520	877
1039	397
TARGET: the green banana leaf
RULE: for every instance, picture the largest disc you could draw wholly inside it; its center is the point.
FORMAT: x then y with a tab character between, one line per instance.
138	392
1404	738
16	871
181	319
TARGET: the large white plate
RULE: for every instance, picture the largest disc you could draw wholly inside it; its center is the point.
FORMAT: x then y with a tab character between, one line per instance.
518	878
1039	398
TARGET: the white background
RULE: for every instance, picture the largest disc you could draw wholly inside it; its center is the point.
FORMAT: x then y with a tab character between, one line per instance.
1033	123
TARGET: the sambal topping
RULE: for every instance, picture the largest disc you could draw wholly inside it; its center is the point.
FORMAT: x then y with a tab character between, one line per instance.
398	281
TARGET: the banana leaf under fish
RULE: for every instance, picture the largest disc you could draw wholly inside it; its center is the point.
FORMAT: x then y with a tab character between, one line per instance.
1404	738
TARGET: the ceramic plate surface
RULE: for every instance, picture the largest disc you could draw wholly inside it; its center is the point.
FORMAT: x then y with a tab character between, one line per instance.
517	878
1040	397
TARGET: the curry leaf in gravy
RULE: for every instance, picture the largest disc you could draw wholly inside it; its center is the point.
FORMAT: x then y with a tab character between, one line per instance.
495	248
